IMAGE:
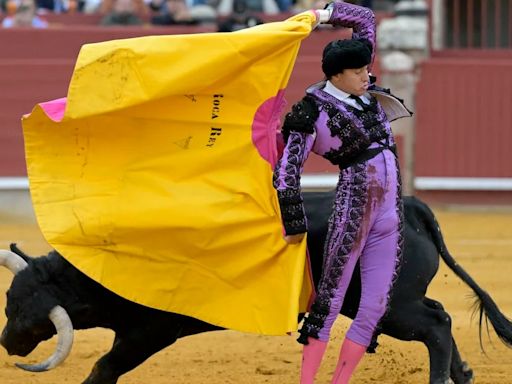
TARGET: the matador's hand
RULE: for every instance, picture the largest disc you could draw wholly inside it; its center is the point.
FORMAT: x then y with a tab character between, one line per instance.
294	239
322	15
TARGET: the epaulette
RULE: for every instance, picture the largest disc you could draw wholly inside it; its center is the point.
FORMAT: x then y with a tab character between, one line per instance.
302	117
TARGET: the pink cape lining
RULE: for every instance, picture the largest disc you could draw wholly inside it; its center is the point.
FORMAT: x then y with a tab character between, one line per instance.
267	120
55	109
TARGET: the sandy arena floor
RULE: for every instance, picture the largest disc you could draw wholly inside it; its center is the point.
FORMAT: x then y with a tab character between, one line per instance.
482	243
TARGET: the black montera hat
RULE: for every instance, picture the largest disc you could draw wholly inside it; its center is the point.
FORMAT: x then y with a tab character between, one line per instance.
345	54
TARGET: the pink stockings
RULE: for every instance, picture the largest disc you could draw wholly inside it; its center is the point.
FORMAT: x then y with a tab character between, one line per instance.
350	355
311	358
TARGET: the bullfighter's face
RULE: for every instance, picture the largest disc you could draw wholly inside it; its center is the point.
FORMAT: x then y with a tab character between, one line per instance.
27	311
354	81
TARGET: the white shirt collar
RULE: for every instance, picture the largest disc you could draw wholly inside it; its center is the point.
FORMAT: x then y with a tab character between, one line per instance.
344	96
336	92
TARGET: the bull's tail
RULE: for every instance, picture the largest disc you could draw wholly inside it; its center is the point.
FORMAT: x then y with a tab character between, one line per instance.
484	304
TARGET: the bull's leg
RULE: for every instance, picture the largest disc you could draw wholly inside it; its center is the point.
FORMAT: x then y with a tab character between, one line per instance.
417	321
130	349
460	373
438	339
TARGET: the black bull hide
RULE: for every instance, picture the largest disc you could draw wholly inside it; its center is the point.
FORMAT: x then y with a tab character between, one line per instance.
140	331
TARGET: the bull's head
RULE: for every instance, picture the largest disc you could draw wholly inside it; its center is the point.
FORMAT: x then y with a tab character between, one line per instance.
32	317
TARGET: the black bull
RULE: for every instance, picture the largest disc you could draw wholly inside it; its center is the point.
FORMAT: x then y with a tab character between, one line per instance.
45	283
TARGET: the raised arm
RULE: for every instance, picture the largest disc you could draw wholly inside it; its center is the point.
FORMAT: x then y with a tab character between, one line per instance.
360	19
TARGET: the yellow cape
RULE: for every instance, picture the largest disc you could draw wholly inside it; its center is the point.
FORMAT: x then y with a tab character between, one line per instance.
154	176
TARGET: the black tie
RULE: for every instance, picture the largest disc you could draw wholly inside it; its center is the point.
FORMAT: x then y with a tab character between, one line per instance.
360	102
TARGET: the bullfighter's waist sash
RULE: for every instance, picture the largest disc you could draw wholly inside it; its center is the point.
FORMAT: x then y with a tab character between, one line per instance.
366	155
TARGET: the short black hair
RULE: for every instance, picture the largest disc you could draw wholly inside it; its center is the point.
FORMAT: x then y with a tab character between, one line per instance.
345	54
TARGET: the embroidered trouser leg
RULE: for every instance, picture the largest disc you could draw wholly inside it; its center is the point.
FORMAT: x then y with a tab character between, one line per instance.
365	224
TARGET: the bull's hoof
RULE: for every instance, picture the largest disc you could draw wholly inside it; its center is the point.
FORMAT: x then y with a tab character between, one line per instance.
442	381
467	373
469	377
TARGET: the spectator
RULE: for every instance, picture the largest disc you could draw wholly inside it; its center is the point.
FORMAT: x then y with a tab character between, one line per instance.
241	18
8	7
58	6
122	12
89	6
362	3
257	6
304	5
171	12
25	16
175	12
45	6
284	5
203	13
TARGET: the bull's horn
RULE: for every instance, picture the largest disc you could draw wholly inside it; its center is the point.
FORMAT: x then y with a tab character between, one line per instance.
12	261
64	327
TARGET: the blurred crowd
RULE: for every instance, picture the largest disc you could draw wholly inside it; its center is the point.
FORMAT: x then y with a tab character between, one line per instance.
229	15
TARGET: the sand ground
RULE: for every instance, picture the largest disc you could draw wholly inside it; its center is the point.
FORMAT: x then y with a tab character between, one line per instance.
482	244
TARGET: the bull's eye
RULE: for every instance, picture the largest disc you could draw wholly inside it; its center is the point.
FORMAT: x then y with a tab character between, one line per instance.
38	332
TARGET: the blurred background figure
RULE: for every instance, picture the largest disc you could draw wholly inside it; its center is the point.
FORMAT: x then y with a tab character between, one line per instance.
284	5
268	7
88	6
123	12
55	6
363	3
170	12
22	14
304	5
181	12
240	18
8	7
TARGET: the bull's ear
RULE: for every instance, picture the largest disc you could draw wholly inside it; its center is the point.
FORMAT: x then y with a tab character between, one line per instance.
14	248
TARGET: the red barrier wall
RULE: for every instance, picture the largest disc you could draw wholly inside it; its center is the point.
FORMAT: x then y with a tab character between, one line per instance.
464	120
24	83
